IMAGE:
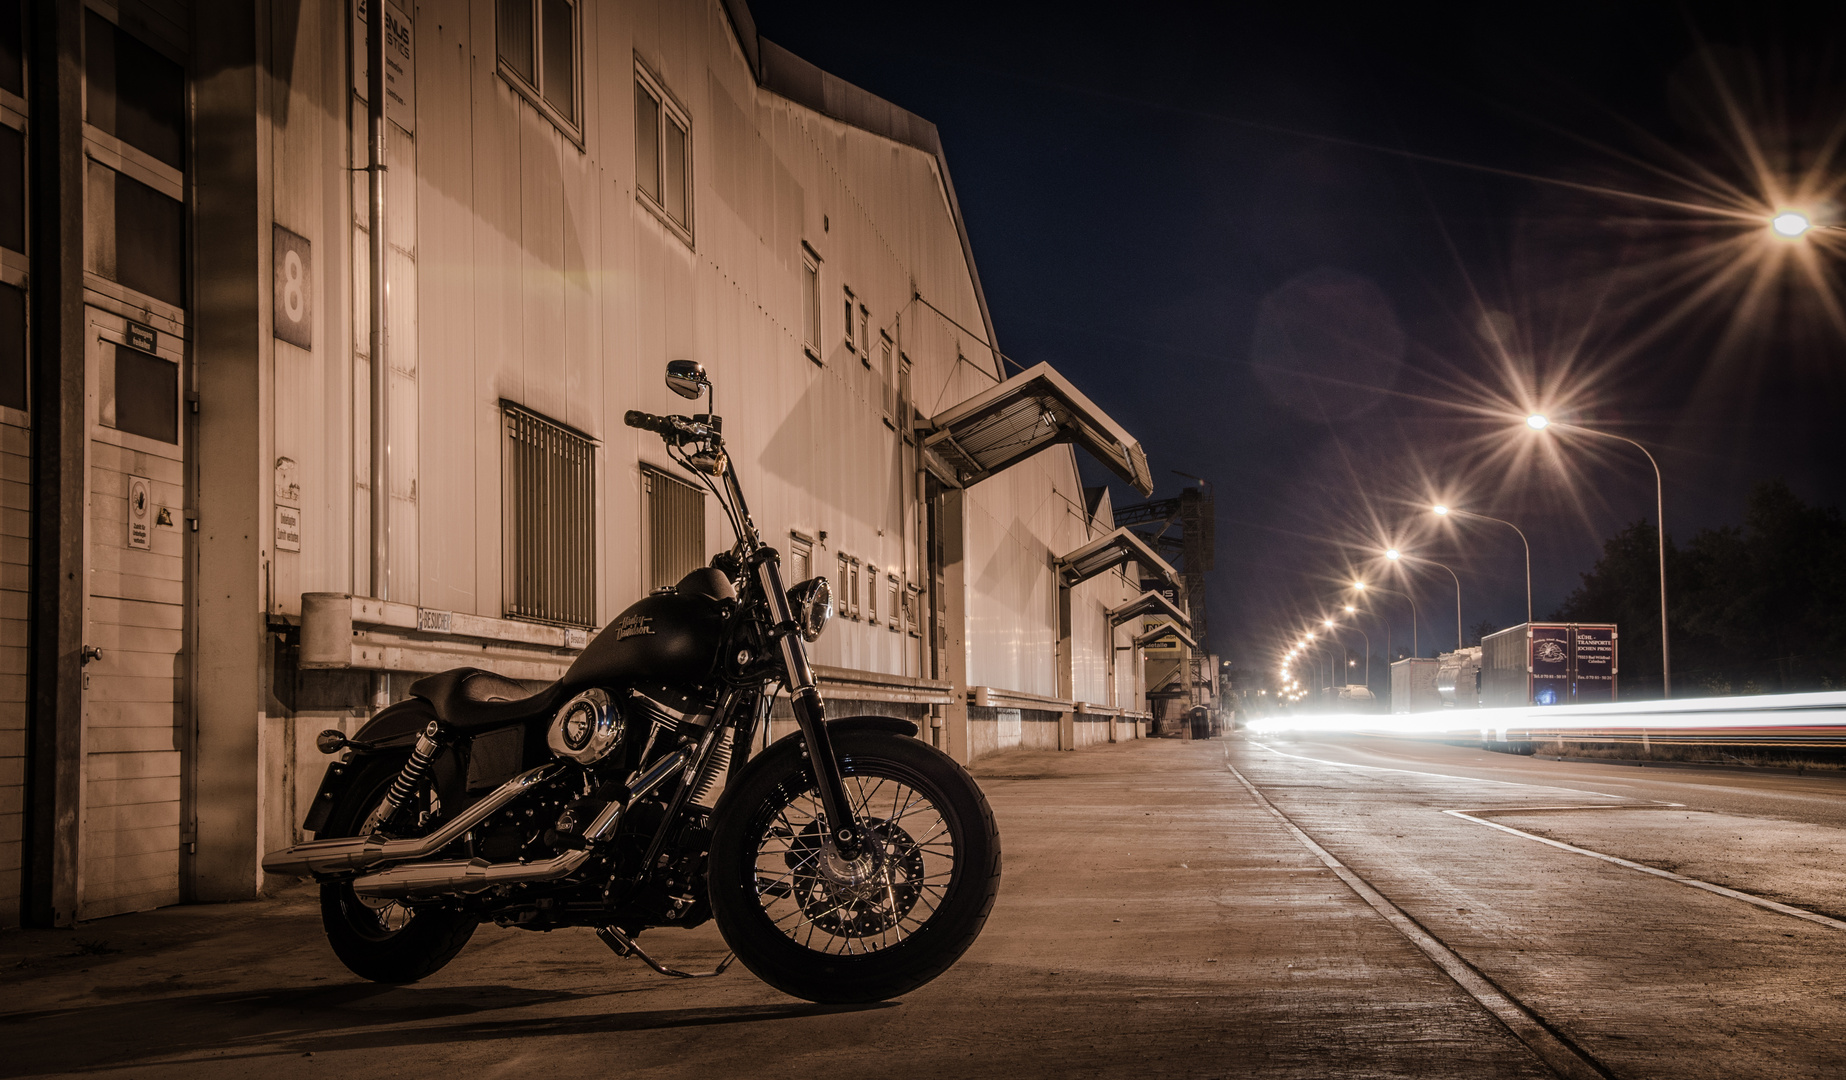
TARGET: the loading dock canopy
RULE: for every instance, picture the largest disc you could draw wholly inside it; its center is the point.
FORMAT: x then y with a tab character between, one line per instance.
1105	553
1166	630
1000	427
1149	603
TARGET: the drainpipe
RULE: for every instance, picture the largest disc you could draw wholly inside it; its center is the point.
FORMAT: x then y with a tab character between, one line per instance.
379	244
379	247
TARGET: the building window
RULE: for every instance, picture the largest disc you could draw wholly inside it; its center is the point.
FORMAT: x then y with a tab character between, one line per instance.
13	387
865	337
549	508
12	188
871	594
889	377
906	424
675	528
800	557
133	93
847	595
663	153
894	591
852	343
139	394
134	235
538	53
810	303
913	610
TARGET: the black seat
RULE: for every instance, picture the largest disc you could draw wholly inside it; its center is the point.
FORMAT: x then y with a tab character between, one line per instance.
473	698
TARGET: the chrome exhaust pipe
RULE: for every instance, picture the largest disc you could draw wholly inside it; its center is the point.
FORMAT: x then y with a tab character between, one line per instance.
479	875
344	854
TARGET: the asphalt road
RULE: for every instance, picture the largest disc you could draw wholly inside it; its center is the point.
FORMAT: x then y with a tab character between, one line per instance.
1208	909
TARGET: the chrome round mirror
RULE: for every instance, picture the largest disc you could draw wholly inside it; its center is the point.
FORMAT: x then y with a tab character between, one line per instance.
687	378
812	604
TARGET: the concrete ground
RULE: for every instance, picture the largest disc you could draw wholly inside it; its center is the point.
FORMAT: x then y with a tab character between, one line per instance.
1156	918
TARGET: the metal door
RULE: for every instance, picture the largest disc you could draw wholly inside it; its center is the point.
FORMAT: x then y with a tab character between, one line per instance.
135	672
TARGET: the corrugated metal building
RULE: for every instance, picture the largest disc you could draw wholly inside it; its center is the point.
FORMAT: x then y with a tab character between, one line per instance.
577	191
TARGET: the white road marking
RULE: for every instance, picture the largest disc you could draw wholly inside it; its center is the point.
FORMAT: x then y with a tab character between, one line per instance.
1552	1048
1767	905
1439	776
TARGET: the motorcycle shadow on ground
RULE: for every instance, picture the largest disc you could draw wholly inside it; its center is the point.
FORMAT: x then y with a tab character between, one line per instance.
292	1022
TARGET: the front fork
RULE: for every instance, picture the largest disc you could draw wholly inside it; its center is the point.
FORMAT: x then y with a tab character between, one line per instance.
810	711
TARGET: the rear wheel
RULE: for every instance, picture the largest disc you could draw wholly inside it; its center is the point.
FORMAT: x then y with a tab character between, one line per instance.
383	940
830	929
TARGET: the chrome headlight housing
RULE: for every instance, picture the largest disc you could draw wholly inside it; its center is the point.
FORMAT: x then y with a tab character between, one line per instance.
587	728
812	604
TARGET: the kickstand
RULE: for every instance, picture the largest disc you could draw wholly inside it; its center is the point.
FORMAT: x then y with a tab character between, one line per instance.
623	945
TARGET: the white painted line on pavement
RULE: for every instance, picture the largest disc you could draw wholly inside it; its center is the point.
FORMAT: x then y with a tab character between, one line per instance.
1768	905
1437	775
1552	1047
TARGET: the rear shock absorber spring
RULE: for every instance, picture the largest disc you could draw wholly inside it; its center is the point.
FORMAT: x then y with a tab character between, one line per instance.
410	778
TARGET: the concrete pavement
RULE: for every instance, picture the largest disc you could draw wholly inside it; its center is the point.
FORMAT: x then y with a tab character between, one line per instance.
1154	920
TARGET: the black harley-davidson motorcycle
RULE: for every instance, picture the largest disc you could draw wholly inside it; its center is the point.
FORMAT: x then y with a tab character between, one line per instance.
847	862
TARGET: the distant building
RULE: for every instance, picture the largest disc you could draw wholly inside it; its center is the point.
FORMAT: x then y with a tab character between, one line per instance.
577	193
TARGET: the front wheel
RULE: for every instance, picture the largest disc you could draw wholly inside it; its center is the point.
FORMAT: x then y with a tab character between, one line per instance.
829	929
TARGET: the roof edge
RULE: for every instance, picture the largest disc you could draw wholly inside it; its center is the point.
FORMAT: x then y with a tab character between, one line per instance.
781	72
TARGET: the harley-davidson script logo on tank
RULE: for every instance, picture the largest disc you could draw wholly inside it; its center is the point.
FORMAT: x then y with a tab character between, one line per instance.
633	626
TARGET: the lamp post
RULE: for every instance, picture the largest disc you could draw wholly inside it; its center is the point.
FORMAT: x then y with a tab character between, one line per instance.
1415	648
1351	610
1538	422
1445	511
1397	556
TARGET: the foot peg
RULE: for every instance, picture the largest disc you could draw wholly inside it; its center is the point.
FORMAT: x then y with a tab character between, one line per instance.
623	945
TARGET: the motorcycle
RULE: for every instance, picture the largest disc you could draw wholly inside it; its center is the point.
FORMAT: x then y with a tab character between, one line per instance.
847	862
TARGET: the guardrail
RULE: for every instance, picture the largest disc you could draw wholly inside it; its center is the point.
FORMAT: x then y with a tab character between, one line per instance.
1768	721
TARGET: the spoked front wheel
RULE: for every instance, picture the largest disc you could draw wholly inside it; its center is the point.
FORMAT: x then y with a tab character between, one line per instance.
826	928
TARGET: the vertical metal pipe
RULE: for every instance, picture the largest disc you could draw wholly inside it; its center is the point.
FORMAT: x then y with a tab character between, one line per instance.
379	344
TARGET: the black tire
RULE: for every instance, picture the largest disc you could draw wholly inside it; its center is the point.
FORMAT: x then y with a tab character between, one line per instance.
368	937
899	927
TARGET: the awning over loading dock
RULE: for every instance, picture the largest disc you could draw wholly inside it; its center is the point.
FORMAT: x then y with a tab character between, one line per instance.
1105	553
1002	426
1166	630
1148	603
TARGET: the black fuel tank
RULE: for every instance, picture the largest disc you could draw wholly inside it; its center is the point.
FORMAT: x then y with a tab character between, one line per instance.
669	638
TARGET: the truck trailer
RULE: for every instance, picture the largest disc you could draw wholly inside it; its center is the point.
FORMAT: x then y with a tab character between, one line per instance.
1549	664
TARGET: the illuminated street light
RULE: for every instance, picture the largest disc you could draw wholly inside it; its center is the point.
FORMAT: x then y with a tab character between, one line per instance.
1359	585
1790	224
1394	554
1537	422
1440	510
1660	537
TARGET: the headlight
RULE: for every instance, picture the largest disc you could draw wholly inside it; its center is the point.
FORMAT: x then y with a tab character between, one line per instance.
812	603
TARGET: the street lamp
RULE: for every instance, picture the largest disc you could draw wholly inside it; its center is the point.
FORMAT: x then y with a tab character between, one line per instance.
1790	223
1397	556
1416	649
1351	610
1444	511
1537	422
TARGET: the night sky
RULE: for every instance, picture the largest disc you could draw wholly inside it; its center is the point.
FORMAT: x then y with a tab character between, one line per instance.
1328	257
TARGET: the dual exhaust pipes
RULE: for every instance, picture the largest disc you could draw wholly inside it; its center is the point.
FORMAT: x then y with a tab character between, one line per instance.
337	857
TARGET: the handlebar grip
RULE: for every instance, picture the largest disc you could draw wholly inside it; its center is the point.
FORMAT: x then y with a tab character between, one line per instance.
648	422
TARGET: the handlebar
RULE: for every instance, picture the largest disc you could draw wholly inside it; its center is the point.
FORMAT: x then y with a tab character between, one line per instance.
662	425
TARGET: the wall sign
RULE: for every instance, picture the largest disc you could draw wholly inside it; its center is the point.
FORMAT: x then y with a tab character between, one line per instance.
400	64
142	337
140	513
294	304
288	528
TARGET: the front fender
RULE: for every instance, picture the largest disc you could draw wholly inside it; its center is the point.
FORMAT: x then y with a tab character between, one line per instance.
891	724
